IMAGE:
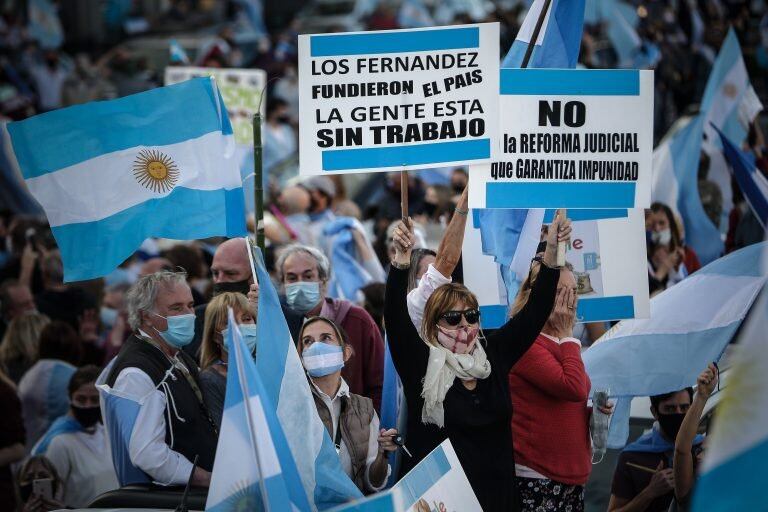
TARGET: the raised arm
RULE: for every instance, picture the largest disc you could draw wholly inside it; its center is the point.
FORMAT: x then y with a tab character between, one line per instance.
683	461
449	250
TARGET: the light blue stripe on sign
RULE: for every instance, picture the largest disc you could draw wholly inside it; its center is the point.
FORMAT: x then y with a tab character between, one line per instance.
415	154
575	194
423	477
598	309
493	317
166	115
185	214
581	215
394	42
570	82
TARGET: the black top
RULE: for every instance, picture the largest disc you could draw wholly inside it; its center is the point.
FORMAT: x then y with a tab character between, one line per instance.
477	422
214	388
196	433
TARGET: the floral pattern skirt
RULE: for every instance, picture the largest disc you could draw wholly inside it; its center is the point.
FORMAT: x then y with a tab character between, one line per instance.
544	495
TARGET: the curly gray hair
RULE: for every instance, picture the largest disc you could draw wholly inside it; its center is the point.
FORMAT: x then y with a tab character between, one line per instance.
143	294
323	265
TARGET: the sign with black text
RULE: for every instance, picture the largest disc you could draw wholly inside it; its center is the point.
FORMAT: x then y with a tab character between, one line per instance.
398	99
570	139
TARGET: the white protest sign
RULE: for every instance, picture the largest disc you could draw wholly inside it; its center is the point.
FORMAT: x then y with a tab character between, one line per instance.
608	258
398	99
241	90
570	139
436	484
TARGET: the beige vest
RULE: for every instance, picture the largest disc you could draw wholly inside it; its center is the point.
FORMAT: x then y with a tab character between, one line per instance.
355	424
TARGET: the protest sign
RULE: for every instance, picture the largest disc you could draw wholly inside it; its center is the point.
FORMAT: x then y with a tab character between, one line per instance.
570	139
240	88
608	257
398	99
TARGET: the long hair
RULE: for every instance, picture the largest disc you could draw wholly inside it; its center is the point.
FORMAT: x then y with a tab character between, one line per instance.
521	299
441	301
416	256
22	339
215	321
667	211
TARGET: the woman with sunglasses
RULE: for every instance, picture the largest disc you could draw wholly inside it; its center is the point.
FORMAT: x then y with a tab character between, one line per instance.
455	383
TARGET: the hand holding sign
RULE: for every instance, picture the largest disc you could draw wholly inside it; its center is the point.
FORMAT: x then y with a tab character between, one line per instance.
559	232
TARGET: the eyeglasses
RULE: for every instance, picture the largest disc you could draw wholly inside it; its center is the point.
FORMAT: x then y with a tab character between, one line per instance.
453	318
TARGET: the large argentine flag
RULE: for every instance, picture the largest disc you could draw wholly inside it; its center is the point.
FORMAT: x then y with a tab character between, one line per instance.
287	388
734	473
557	45
254	469
752	182
111	174
690	326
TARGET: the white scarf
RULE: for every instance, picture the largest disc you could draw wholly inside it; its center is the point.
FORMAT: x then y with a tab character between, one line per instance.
442	368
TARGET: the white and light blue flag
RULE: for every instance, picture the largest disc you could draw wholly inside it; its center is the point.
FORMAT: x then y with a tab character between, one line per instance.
110	174
734	473
620	20
690	326
559	39
752	182
176	52
254	468
286	386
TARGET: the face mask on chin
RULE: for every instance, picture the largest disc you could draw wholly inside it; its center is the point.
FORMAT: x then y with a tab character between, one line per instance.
87	416
670	424
662	237
459	341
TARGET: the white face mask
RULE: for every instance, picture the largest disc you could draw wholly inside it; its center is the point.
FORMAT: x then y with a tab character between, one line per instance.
662	237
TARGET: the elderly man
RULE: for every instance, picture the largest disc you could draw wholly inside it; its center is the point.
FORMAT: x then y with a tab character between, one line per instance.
304	272
172	425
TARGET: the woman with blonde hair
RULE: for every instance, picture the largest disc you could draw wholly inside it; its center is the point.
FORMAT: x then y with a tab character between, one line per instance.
213	349
455	381
18	350
350	419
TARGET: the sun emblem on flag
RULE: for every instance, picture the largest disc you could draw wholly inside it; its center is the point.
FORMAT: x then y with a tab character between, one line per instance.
155	170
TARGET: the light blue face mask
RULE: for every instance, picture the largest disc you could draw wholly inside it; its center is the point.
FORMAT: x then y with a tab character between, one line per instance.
301	297
321	359
108	316
249	336
181	330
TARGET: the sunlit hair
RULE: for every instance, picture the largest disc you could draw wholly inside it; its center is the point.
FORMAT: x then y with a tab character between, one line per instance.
216	321
441	301
416	256
521	299
22	338
143	294
338	330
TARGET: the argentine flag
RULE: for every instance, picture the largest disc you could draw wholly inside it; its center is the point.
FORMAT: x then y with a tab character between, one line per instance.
753	183
286	386
254	469
690	326
111	174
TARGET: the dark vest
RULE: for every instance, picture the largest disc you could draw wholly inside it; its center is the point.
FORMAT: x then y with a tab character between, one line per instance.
355	424
196	434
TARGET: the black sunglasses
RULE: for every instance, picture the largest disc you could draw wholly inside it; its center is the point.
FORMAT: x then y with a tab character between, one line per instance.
453	318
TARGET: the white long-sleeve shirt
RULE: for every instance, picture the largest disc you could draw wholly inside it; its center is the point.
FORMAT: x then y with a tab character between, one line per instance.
417	298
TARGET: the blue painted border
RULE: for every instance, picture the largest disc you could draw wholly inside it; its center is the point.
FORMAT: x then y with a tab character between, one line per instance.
582	215
493	317
576	194
394	42
569	82
414	154
605	308
421	478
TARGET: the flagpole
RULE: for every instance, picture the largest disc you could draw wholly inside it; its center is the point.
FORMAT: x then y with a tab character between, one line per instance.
258	187
535	35
404	195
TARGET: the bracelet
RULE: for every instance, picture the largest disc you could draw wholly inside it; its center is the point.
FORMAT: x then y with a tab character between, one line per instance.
401	266
461	212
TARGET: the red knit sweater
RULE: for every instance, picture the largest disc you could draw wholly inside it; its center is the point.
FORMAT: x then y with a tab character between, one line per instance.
550	418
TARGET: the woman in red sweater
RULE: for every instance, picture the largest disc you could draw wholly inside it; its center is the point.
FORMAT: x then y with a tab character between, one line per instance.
549	388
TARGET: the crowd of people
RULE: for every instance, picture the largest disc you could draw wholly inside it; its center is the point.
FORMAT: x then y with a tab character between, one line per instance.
352	276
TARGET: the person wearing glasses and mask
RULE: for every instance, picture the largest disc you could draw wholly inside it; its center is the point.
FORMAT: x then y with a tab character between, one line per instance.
76	443
455	382
350	419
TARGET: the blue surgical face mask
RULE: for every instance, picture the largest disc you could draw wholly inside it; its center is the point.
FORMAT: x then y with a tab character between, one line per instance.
302	296
249	336
321	359
181	330
108	316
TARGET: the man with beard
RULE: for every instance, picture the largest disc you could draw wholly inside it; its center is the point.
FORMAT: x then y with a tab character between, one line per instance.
652	489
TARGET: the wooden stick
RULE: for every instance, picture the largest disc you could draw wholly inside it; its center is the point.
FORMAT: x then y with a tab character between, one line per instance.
404	195
641	468
535	35
561	245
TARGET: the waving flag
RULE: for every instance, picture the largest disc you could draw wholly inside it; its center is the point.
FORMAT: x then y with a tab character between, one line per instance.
287	388
752	182
254	469
690	326
620	20
557	45
111	174
733	475
177	54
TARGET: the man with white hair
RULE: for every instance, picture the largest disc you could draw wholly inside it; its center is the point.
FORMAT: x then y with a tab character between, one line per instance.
172	425
304	273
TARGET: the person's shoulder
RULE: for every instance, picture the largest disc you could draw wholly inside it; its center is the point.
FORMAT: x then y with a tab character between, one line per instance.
358	314
647	459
